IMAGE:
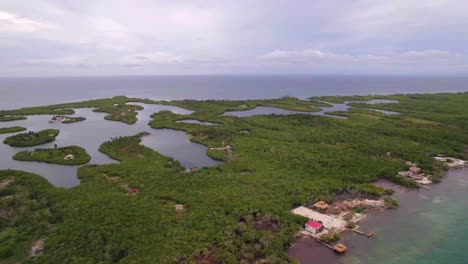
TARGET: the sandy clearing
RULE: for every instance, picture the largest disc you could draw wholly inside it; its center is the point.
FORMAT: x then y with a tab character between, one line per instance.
329	221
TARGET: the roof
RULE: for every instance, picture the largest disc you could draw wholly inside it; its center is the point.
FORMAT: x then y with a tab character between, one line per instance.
314	224
321	205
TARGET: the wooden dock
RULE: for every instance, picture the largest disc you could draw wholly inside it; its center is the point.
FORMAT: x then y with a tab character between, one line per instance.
362	233
324	244
338	248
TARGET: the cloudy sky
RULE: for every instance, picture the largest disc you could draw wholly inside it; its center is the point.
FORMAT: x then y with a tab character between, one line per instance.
104	37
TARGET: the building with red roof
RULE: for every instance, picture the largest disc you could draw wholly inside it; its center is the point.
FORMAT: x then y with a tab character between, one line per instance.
314	226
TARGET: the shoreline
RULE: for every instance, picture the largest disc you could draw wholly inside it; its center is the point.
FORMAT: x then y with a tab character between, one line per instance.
306	250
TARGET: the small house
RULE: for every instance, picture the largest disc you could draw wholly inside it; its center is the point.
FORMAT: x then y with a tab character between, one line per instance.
314	226
321	205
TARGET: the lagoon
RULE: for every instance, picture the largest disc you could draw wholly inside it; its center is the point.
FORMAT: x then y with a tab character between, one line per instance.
92	132
326	111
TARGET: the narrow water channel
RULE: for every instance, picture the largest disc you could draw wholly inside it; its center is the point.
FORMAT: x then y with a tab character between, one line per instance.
326	111
92	132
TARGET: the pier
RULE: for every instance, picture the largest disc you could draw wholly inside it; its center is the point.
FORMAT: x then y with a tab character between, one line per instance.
362	233
338	248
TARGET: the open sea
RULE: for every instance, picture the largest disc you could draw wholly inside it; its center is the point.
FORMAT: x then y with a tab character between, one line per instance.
429	227
23	92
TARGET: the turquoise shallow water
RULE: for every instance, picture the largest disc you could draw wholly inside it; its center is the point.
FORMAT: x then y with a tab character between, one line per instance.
430	227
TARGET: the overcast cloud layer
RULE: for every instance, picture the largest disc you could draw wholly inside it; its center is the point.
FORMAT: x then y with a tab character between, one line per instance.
67	37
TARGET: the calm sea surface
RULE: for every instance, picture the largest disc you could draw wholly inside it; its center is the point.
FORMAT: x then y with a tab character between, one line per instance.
22	92
429	227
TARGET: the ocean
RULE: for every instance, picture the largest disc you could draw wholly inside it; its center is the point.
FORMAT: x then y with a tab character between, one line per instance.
23	92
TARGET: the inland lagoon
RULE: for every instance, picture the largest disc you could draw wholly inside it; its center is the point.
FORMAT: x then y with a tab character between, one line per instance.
92	132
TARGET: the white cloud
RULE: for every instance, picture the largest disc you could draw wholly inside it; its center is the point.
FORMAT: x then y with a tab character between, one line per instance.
310	56
373	17
210	35
167	58
153	58
303	56
427	55
67	60
12	23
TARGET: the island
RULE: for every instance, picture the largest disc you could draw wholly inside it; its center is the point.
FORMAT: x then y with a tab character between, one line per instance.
66	119
8	118
32	138
71	155
283	176
116	109
7	130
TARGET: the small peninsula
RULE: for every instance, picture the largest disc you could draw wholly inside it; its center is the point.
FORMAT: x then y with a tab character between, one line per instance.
8	118
7	130
32	138
71	155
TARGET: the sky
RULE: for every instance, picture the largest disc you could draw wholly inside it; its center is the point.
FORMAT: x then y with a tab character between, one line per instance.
104	37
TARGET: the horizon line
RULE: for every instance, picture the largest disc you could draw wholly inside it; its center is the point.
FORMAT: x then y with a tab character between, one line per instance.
234	75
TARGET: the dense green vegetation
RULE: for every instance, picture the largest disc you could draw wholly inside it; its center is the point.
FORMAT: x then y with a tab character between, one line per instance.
291	103
57	155
218	107
115	107
240	210
66	119
11	118
32	138
126	114
27	213
73	120
6	130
